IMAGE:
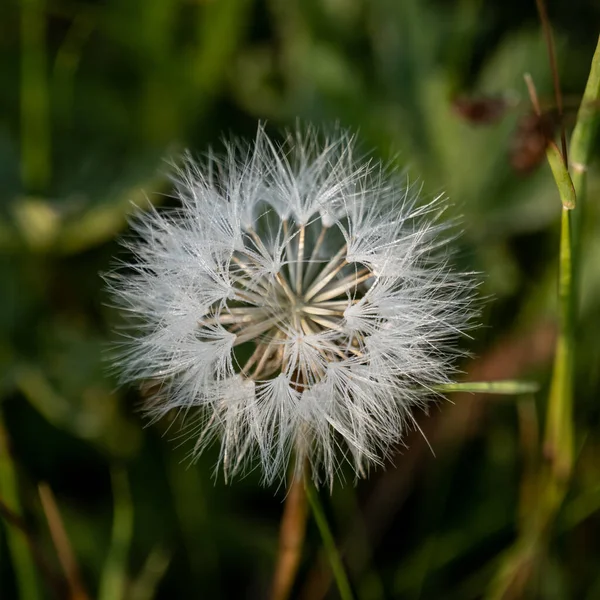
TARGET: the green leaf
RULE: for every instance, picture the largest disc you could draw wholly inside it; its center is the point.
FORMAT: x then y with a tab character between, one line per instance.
491	387
561	175
588	119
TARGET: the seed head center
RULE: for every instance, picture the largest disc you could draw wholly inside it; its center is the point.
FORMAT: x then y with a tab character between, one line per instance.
292	300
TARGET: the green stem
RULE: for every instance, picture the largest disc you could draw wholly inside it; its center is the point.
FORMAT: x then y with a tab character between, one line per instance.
329	545
22	560
559	425
558	443
553	480
35	128
114	575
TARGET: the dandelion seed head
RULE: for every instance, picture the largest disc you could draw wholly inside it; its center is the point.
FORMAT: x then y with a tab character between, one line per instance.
296	306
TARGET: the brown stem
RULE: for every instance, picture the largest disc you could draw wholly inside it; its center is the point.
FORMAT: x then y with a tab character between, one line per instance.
65	553
533	96
547	28
15	520
291	539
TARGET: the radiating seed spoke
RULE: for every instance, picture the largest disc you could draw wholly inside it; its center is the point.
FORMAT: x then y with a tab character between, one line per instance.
251	279
245	267
271	346
336	350
257	284
226	319
318	310
300	259
255	356
321	282
271	367
254	331
250	297
240	319
350	348
306	327
258	243
243	310
344	285
288	250
327	323
335	264
286	287
312	261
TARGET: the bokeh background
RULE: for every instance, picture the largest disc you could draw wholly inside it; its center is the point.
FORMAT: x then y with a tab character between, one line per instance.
95	99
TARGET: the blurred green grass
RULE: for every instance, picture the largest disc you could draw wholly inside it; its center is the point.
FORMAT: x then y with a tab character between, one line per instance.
95	99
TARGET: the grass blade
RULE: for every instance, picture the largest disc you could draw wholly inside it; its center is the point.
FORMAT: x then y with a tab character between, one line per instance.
509	388
588	119
22	560
154	569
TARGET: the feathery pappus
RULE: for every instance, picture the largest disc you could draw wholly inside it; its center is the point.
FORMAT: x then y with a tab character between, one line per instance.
297	305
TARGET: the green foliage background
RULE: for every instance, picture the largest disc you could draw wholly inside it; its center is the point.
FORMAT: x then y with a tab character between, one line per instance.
95	97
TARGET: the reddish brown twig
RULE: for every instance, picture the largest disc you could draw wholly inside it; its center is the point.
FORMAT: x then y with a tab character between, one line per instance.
65	553
15	520
291	540
547	28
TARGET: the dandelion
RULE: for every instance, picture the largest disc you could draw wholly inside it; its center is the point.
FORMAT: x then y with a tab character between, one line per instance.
299	303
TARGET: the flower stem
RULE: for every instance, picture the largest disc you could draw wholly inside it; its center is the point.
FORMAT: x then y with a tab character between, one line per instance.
329	545
291	540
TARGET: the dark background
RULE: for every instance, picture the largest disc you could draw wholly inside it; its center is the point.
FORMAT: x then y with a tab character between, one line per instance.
95	97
